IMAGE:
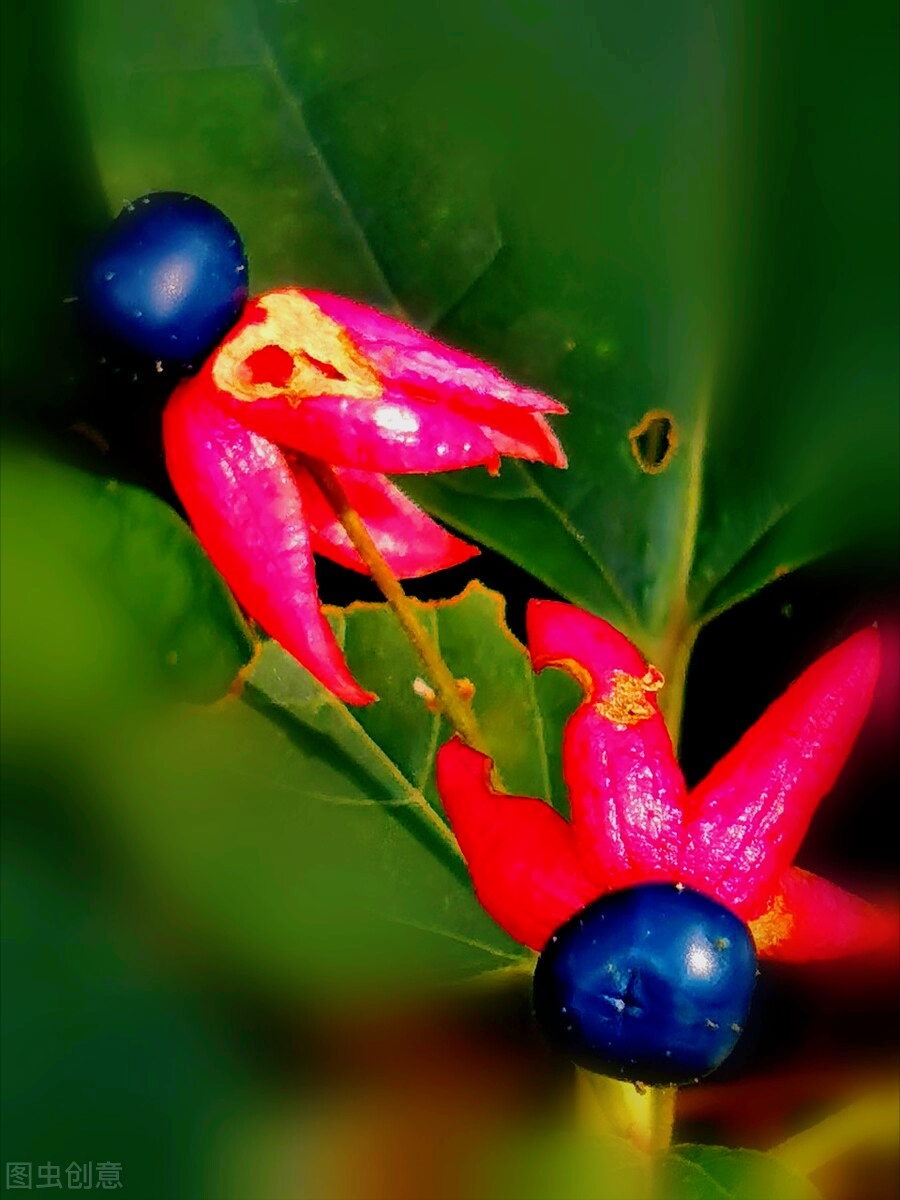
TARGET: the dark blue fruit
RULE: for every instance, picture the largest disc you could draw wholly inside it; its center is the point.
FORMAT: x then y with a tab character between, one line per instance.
167	280
651	984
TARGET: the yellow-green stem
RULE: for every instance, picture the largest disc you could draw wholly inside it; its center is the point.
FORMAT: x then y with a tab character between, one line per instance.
661	1118
644	1117
456	710
874	1120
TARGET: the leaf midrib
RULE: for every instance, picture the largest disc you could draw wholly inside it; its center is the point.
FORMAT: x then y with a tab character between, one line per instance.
294	106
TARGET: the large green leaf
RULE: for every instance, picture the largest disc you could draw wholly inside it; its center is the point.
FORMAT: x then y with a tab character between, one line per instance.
304	841
671	210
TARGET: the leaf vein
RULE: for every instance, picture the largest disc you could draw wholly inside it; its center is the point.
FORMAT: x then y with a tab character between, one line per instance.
541	731
538	493
495	951
294	105
428	766
696	1169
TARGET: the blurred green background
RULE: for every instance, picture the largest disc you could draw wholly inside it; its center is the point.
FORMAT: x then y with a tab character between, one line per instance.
689	208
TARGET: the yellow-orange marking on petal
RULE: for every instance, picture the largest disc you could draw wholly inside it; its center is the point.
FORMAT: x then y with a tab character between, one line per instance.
627	703
580	674
323	359
773	927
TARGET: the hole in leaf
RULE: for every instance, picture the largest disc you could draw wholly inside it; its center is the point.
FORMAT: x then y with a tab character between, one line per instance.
653	441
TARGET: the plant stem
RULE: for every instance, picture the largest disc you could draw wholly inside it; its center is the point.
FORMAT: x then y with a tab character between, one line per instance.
456	710
645	1118
872	1120
662	1118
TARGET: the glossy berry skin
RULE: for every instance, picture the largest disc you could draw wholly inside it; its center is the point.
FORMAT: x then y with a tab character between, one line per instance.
166	281
650	984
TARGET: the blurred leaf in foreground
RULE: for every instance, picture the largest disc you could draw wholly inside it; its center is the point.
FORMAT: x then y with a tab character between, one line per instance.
106	595
103	1059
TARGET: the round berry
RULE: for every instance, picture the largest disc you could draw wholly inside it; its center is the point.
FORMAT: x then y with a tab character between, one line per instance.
651	984
167	280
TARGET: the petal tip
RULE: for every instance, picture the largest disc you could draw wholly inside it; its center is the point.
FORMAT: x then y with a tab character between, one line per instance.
575	641
460	552
864	646
455	754
556	456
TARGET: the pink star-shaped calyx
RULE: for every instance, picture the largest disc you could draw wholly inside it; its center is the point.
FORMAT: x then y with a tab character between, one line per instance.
733	837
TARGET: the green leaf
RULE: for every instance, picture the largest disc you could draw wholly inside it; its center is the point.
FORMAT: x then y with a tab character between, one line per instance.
51	200
303	840
667	211
716	1173
106	592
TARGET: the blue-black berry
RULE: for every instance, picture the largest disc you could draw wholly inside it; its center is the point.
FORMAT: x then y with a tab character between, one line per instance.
166	281
651	984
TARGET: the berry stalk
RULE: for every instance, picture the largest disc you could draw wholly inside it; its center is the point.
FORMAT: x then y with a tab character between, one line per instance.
457	710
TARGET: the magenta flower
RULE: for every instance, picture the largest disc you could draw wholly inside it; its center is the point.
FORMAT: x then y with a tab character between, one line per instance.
307	378
733	837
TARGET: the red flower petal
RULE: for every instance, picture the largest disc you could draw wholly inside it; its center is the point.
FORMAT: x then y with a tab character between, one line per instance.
241	498
589	649
520	852
419	364
625	787
393	435
518	434
750	814
810	918
411	543
290	373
